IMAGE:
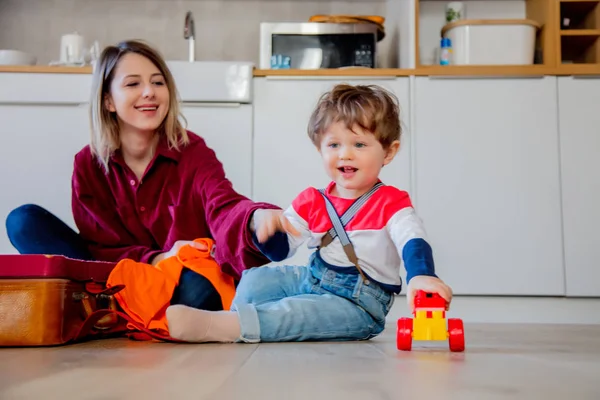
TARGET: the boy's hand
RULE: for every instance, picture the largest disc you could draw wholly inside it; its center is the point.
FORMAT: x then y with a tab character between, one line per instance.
266	222
429	284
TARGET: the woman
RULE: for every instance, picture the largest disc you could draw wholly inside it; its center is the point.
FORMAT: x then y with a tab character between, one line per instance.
145	186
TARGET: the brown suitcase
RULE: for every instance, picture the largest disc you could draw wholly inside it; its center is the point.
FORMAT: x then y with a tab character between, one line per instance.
54	300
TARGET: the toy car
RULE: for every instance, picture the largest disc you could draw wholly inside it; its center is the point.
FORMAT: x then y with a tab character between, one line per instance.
429	323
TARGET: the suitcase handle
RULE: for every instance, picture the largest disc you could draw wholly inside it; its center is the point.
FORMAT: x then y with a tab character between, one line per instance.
98	315
99	293
107	318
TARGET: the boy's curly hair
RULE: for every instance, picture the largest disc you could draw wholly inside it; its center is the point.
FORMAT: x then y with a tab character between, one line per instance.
371	107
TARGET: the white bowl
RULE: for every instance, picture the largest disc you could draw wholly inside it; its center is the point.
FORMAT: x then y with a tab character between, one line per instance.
16	57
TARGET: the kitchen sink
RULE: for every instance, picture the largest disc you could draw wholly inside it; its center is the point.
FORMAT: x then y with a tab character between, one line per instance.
213	81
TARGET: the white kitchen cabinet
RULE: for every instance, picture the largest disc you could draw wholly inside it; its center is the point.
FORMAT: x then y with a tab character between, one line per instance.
285	160
38	144
487	183
227	129
579	119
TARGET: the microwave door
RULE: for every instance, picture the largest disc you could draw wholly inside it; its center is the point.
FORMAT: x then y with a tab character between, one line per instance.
307	51
315	51
311	59
304	50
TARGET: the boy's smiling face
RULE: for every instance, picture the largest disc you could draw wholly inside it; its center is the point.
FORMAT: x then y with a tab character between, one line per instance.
353	158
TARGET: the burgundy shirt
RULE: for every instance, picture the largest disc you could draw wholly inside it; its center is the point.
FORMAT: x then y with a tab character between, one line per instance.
183	195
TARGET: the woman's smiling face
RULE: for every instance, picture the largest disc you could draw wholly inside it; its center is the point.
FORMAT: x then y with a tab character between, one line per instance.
138	94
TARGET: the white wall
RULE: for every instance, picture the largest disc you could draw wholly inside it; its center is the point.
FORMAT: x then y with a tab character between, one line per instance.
226	29
36	26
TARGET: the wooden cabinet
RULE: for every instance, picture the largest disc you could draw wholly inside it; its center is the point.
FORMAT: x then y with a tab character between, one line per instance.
487	183
579	121
579	33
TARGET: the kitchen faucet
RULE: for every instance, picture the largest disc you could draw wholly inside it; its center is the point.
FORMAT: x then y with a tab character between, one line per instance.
189	33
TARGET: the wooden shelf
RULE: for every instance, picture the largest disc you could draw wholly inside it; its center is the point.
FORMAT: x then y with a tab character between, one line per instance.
541	12
571	48
466	71
580	32
579	70
45	69
484	70
579	14
579	35
435	70
335	72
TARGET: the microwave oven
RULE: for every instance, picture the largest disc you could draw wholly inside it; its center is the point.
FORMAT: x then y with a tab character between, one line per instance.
316	45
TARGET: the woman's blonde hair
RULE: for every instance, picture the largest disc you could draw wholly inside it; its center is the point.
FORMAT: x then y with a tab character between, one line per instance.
104	125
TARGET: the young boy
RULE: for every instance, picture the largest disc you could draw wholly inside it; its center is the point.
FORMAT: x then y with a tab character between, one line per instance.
361	229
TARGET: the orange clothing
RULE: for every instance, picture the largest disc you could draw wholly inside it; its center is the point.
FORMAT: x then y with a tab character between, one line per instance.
148	290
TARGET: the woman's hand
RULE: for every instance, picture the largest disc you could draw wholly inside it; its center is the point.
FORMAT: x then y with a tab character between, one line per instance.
176	246
266	222
429	284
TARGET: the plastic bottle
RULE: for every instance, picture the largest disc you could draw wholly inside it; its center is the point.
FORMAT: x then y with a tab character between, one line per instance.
445	51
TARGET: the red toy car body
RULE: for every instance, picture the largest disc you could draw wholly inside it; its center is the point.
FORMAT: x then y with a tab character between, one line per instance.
429	323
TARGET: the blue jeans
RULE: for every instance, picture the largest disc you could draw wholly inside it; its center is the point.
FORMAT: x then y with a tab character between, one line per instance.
309	303
34	230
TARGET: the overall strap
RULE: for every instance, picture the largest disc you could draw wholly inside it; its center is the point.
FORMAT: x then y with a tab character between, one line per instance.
339	223
348	215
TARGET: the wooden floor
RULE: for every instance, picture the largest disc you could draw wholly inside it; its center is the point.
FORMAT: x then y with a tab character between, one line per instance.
535	361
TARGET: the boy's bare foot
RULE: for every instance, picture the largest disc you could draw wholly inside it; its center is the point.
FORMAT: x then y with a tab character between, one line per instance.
193	325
